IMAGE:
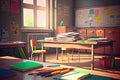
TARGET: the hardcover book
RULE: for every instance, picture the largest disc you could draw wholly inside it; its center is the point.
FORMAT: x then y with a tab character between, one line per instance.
5	73
25	66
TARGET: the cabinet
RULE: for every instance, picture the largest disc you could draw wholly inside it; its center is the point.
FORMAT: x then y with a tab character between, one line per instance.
113	34
110	33
96	32
83	33
69	30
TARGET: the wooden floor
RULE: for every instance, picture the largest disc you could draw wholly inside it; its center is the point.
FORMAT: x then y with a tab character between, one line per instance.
84	63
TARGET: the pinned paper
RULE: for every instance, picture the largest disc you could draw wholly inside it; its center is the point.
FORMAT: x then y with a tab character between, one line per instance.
15	8
91	11
96	11
106	8
95	15
96	22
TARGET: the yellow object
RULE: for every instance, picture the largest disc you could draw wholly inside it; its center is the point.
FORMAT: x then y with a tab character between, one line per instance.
34	50
55	72
66	50
64	71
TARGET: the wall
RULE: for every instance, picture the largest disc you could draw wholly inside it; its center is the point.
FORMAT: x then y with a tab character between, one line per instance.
97	13
91	3
65	12
10	21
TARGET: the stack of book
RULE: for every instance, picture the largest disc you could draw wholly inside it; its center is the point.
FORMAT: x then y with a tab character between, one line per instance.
67	37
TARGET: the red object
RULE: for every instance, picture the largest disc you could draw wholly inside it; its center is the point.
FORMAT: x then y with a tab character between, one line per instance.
34	42
106	62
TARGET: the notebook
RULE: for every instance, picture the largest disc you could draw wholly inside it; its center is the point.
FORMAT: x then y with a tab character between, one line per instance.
5	73
25	66
73	75
96	77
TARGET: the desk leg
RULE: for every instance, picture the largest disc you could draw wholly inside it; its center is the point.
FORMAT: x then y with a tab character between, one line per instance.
57	53
43	57
92	57
111	49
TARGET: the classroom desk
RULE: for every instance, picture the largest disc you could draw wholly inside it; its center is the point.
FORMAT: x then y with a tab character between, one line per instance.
80	45
13	44
5	61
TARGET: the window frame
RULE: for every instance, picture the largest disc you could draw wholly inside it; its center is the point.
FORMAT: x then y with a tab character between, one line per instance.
29	6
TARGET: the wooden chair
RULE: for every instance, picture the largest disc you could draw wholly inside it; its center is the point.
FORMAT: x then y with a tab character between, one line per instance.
36	51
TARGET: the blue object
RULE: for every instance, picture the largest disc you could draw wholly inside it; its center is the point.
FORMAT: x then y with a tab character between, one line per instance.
53	65
6	73
96	77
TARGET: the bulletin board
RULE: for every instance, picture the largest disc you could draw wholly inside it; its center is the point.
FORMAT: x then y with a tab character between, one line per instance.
106	16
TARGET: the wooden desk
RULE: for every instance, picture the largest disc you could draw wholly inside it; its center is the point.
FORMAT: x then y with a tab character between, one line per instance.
7	60
14	44
80	45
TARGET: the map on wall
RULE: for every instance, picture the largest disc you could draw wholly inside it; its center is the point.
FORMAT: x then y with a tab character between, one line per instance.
107	16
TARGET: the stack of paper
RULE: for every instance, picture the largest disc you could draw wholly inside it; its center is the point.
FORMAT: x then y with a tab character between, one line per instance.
66	37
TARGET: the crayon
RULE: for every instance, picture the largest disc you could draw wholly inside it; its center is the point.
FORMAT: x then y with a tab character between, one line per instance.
48	75
54	65
55	72
33	73
64	71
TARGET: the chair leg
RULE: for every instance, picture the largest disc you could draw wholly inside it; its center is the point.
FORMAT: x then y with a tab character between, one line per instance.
79	55
31	56
67	55
72	54
62	55
43	57
38	56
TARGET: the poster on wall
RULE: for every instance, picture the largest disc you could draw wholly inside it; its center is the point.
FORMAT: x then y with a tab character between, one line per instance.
14	6
3	34
14	28
5	5
106	16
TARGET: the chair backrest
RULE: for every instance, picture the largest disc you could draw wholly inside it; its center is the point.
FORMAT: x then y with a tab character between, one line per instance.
33	45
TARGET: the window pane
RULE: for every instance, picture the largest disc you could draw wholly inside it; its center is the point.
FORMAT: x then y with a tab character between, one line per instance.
28	17
41	18
41	3
28	1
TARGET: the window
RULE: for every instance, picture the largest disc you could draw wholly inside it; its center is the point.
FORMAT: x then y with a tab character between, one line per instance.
35	14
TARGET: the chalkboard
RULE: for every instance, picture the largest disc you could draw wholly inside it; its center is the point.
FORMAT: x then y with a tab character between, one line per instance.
104	16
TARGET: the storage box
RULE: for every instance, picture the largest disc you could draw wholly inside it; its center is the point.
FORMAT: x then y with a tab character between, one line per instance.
106	62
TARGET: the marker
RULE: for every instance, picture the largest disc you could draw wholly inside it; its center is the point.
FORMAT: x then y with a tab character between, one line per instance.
54	65
64	71
33	73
